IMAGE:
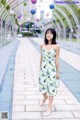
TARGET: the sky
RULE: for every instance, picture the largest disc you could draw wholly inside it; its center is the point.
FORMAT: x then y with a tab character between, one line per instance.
44	5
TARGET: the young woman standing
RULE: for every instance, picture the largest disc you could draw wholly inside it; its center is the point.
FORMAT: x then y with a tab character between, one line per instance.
49	68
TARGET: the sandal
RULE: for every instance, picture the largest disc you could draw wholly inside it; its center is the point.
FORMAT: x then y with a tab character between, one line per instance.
47	113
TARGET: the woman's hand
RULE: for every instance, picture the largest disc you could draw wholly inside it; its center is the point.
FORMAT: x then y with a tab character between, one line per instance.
57	76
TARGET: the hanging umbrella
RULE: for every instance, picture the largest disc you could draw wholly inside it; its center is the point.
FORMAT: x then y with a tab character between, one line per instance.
19	16
33	1
33	11
51	6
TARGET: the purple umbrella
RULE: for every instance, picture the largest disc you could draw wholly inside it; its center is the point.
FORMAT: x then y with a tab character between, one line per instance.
33	1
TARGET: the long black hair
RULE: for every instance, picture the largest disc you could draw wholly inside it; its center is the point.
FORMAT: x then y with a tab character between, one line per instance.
54	36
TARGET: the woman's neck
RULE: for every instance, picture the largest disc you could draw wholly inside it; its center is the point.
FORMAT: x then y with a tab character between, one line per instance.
49	42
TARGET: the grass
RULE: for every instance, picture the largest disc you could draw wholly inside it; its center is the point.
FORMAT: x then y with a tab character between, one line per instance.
73	39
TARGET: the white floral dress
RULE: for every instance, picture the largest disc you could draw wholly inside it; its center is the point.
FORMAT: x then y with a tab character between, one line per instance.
47	75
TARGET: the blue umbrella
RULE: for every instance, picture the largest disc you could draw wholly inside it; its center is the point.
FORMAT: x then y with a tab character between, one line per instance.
51	6
33	11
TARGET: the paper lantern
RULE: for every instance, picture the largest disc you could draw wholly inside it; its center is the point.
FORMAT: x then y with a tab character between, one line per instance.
51	6
33	1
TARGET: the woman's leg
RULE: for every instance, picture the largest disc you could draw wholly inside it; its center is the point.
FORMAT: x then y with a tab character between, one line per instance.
45	98
50	103
49	109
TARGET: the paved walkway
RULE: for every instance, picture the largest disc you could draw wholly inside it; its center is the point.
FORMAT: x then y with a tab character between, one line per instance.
26	97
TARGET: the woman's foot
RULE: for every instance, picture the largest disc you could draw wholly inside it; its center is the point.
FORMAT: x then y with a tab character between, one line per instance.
43	101
48	112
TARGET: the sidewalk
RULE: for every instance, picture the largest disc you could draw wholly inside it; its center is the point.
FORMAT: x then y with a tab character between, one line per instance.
26	97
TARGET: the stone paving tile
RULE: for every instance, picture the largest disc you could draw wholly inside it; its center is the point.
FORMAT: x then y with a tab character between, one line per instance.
20	83
19	88
33	97
42	119
70	119
76	114
65	97
65	93
59	115
72	102
57	102
31	89
26	115
37	108
25	102
19	97
67	107
26	95
24	86
19	108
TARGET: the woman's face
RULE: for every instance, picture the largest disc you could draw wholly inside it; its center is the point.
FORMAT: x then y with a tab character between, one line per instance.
49	35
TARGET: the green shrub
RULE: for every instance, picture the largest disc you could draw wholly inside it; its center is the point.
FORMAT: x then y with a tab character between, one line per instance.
28	34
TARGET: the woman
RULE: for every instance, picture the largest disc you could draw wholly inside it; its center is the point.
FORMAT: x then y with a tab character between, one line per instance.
49	68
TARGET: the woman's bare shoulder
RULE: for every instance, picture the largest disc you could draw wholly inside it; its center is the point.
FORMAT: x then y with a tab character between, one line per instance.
57	47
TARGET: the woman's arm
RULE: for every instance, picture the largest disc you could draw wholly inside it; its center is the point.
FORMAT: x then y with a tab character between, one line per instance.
57	60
